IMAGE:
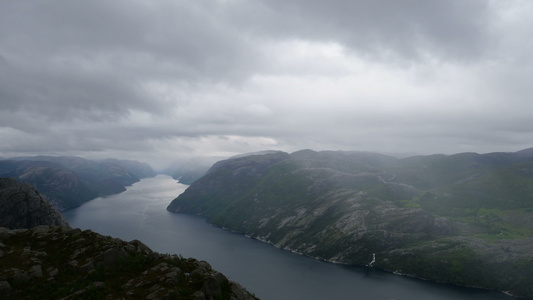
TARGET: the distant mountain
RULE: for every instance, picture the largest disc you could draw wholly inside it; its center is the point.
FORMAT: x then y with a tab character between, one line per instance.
21	206
465	219
525	153
189	170
70	181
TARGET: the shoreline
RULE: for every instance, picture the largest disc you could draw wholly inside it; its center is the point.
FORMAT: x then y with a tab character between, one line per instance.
262	240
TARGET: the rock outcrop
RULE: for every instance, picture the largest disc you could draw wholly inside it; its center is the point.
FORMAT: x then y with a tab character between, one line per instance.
21	206
54	262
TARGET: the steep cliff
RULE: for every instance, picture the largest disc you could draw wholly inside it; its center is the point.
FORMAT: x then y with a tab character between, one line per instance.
463	219
50	262
21	206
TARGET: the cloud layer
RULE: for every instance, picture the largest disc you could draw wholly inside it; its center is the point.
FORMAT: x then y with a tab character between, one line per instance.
161	80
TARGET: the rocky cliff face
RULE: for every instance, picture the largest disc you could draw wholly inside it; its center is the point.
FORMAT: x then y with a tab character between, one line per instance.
21	206
50	262
463	219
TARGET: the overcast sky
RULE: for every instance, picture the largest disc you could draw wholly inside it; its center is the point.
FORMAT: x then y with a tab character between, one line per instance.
165	79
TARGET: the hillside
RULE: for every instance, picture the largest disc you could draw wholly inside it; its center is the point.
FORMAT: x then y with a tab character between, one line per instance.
21	206
465	219
50	262
68	182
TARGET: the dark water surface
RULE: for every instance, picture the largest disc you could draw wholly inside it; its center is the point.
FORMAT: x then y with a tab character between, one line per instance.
272	274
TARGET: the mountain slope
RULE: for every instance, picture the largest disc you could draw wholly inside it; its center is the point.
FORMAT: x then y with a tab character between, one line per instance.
21	206
463	219
70	181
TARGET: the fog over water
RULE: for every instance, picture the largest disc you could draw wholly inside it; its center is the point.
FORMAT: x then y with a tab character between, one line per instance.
270	273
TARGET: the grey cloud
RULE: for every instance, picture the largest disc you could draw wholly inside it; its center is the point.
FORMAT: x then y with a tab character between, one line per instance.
64	94
154	76
69	59
412	30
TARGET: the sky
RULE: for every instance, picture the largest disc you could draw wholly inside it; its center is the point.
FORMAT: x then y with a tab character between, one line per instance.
163	80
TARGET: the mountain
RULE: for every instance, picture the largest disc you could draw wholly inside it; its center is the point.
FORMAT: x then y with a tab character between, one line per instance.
465	219
125	172
68	182
189	170
21	206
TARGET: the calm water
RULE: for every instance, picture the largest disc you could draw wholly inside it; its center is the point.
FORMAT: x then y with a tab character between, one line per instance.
270	273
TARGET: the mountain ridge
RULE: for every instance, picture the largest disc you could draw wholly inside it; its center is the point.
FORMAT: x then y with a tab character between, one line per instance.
68	182
447	218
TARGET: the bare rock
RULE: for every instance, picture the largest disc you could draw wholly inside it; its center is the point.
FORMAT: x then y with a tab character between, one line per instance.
36	271
5	290
53	272
21	206
110	256
81	293
6	233
213	284
87	267
20	277
141	247
198	295
73	263
239	293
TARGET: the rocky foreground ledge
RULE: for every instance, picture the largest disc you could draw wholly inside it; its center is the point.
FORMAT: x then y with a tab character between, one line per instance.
57	262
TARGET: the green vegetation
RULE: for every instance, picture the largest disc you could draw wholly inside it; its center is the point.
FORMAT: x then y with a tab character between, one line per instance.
464	219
